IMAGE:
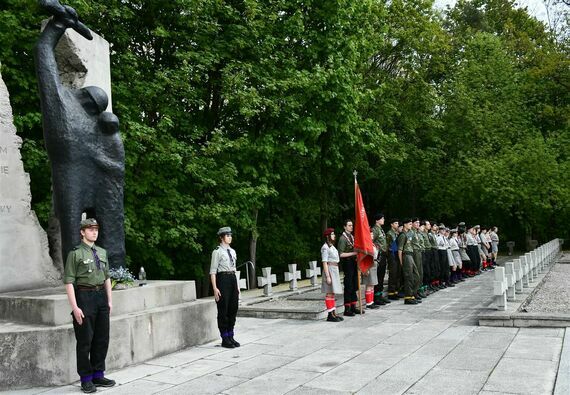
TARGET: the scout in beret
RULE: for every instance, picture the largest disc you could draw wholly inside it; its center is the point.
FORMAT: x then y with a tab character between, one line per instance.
330	285
88	288
225	286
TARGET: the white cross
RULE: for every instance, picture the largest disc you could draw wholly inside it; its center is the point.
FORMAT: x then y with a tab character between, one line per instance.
292	276
266	280
313	272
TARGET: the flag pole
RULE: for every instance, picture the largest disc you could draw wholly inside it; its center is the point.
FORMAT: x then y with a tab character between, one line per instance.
355	173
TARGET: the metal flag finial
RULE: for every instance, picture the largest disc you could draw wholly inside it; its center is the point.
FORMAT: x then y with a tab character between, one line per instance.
355	174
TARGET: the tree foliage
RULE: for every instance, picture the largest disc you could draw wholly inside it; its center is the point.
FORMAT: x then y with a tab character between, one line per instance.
254	114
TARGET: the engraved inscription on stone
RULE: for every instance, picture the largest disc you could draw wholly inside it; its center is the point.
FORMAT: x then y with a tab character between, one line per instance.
24	251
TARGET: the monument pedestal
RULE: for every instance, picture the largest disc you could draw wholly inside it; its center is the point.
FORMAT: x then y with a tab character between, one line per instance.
38	343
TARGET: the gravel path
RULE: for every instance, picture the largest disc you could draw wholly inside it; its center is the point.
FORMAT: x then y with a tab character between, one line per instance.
554	292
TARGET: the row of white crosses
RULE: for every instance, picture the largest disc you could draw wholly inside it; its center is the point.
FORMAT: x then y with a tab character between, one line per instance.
518	274
268	279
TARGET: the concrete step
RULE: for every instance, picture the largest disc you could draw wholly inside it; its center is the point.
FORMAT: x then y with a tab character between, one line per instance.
41	355
49	306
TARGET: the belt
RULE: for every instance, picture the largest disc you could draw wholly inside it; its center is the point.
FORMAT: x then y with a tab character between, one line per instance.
332	263
90	287
408	253
226	273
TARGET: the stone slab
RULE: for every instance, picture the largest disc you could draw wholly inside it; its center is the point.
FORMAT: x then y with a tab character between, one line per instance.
278	381
257	366
441	381
539	376
563	375
188	371
209	384
49	306
348	377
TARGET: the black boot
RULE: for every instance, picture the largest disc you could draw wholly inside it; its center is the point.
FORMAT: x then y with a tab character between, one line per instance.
356	310
227	343
348	311
332	318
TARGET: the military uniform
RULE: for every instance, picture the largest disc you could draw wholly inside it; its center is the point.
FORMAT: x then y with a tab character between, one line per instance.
417	246
411	275
346	244
223	266
426	258
87	269
380	241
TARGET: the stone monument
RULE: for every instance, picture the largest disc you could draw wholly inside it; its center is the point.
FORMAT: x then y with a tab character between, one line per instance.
24	259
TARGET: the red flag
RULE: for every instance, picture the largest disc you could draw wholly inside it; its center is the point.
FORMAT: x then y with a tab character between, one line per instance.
362	239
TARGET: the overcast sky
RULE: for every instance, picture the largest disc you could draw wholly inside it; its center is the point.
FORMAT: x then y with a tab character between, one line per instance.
535	7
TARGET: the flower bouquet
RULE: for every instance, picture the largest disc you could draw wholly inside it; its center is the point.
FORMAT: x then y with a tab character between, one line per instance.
121	278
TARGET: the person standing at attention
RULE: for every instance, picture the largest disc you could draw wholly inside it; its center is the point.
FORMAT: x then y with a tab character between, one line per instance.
225	286
88	289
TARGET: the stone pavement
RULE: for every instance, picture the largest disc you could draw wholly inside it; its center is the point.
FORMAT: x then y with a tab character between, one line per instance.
432	348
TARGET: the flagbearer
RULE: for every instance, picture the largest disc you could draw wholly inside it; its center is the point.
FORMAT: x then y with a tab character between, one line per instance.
348	262
331	285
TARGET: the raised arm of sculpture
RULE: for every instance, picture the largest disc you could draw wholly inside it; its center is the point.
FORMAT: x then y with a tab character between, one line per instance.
64	17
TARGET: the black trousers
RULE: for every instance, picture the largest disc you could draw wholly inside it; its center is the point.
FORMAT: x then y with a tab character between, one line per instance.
382	264
435	268
443	265
228	303
473	252
395	275
350	279
93	334
426	262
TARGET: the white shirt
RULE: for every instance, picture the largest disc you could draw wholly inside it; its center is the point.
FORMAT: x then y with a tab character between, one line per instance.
329	254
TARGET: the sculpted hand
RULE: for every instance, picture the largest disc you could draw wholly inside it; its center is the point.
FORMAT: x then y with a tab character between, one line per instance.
78	315
67	16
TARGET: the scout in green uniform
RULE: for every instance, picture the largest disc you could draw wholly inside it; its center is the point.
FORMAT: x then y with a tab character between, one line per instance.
417	245
381	243
405	253
426	255
88	290
394	264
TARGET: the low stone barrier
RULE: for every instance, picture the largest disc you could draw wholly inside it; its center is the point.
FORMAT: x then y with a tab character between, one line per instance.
521	272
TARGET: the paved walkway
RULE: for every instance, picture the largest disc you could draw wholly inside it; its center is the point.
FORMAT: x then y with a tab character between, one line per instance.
432	348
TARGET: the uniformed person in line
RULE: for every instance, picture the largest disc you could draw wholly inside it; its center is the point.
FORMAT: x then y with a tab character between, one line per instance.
426	255
225	286
394	264
442	245
417	245
88	288
381	243
348	263
406	255
436	282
